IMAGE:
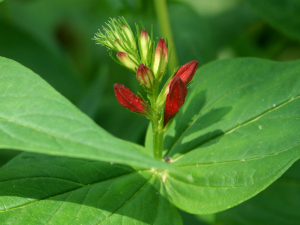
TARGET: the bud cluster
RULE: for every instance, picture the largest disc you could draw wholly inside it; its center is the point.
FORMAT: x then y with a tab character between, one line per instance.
137	53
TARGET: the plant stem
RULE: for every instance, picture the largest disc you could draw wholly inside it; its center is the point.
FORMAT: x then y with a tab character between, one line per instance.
158	140
166	31
157	131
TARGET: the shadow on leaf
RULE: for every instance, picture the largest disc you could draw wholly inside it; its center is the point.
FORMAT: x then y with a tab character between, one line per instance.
64	190
194	127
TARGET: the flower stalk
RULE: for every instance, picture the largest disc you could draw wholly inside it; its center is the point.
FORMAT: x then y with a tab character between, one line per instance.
148	61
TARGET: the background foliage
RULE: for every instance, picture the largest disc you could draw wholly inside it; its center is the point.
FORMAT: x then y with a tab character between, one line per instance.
53	38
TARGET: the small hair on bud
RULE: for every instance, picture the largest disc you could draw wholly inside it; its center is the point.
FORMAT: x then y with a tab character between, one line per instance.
118	45
130	36
127	61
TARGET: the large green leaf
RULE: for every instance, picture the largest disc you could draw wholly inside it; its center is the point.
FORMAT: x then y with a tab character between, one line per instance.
283	14
237	132
34	117
42	189
278	204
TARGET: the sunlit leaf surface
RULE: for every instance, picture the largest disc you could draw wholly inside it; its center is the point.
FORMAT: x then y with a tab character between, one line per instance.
237	132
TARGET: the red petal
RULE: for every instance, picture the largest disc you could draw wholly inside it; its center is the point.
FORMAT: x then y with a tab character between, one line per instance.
175	99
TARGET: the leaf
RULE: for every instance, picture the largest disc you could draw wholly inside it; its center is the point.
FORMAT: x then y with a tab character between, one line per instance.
282	14
35	118
18	45
278	204
41	189
7	155
237	133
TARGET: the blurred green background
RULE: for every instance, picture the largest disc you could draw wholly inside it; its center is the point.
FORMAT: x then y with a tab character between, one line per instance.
54	39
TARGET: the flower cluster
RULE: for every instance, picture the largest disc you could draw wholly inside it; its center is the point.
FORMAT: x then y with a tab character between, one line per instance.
148	61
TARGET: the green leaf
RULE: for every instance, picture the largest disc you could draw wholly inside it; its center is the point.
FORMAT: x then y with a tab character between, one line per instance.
282	14
7	155
237	132
20	46
42	189
34	117
278	204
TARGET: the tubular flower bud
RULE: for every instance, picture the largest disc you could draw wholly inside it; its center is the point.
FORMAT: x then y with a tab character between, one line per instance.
145	43
118	45
145	77
129	100
124	58
160	59
108	44
187	71
175	99
186	74
130	36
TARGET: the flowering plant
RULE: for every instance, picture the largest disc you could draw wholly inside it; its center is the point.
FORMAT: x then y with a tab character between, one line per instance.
218	136
149	63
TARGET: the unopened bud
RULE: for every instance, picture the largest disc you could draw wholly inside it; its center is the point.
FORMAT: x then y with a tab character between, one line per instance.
187	71
145	43
145	77
130	36
186	74
175	99
109	45
160	58
129	100
127	61
118	45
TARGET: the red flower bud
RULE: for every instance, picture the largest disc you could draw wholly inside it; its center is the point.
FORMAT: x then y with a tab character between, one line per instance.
127	61
129	100
186	74
175	99
160	58
145	76
187	71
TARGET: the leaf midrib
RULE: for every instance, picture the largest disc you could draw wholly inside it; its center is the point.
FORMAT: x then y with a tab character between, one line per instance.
128	199
241	125
202	112
56	136
235	161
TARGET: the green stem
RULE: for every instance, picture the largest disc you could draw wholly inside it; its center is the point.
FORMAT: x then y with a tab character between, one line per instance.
158	140
166	31
157	130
